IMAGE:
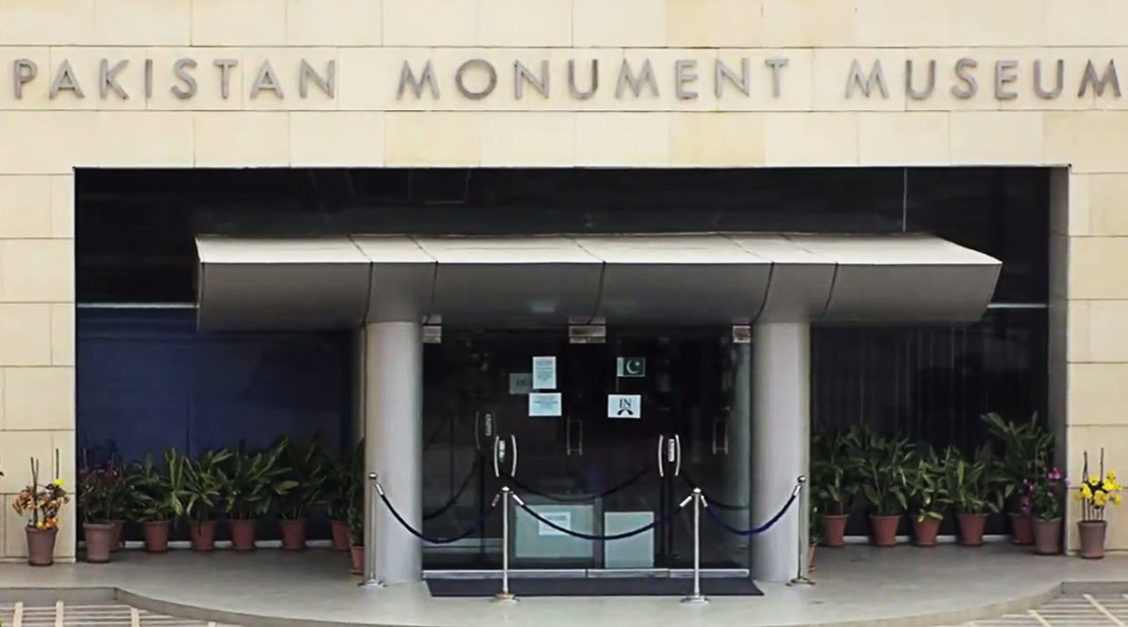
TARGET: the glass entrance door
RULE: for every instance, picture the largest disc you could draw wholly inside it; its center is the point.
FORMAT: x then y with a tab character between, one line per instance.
602	463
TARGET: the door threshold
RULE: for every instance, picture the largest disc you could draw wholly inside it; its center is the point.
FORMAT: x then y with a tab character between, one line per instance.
588	573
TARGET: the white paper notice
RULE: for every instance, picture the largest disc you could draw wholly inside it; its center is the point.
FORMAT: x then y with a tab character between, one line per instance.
560	519
624	406
544	373
520	383
546	404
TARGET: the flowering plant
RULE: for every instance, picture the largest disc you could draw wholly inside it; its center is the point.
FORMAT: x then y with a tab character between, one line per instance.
43	502
1097	491
1045	495
103	493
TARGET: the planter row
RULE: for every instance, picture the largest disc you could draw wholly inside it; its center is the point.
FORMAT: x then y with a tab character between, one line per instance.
1045	535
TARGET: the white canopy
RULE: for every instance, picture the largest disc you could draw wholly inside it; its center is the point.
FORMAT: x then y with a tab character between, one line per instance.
674	279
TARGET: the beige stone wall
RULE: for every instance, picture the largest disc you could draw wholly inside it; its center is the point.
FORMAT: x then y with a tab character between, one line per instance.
811	122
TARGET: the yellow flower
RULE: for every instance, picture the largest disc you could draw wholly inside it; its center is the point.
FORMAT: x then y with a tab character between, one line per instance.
1100	499
1116	499
1107	486
1112	475
58	483
1094	479
1085	491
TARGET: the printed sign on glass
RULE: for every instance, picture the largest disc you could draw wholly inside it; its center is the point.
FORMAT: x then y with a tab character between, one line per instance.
544	373
520	383
544	404
626	406
630	367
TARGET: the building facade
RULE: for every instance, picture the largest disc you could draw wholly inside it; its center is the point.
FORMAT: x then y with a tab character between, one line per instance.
656	84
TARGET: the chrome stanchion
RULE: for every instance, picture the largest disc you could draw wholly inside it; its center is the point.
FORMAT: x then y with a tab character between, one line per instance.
370	580
804	574
505	596
696	597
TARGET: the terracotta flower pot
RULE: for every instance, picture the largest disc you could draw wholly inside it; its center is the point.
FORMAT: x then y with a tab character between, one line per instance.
1092	534
971	528
100	541
202	535
156	535
242	533
119	535
834	530
41	546
293	534
884	530
1022	529
357	559
340	531
925	531
1047	536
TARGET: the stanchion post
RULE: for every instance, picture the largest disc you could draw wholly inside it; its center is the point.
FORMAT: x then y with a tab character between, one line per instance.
370	580
804	574
505	596
696	597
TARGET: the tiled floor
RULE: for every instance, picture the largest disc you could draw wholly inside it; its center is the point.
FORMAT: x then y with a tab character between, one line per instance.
100	615
1076	610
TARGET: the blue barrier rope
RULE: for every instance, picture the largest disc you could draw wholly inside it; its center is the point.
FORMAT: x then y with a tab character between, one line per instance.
754	530
476	527
601	538
582	498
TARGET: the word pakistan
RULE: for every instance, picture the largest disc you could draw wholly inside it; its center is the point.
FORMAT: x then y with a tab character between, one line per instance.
477	78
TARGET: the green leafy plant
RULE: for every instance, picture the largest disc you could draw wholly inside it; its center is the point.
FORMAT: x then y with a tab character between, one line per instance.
344	476
305	467
880	463
252	481
928	491
969	481
1026	453
355	519
832	485
152	497
204	479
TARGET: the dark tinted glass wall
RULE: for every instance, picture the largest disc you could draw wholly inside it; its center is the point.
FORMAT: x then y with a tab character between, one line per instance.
135	228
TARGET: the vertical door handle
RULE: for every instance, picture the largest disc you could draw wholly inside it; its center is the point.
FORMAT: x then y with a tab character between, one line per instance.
513	462
677	463
661	462
496	456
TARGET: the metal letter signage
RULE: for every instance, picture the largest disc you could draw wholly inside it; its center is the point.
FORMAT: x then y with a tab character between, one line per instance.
736	81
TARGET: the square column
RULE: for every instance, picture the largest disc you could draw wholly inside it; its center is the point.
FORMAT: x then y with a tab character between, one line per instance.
393	447
781	417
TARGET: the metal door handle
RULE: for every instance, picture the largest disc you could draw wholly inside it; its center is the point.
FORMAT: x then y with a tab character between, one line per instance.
661	463
496	454
677	463
720	428
513	464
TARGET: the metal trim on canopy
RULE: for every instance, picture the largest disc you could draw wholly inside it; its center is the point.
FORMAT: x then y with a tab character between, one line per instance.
674	279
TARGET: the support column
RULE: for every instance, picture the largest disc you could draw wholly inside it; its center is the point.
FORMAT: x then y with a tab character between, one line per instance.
780	442
393	421
738	465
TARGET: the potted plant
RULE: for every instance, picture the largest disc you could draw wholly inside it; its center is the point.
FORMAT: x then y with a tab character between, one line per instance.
155	504
43	503
880	464
250	484
1096	492
1046	508
928	498
1026	449
103	497
304	476
204	480
343	474
832	487
969	485
356	535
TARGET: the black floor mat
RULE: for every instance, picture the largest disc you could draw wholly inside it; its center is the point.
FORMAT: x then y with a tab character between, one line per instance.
593	587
